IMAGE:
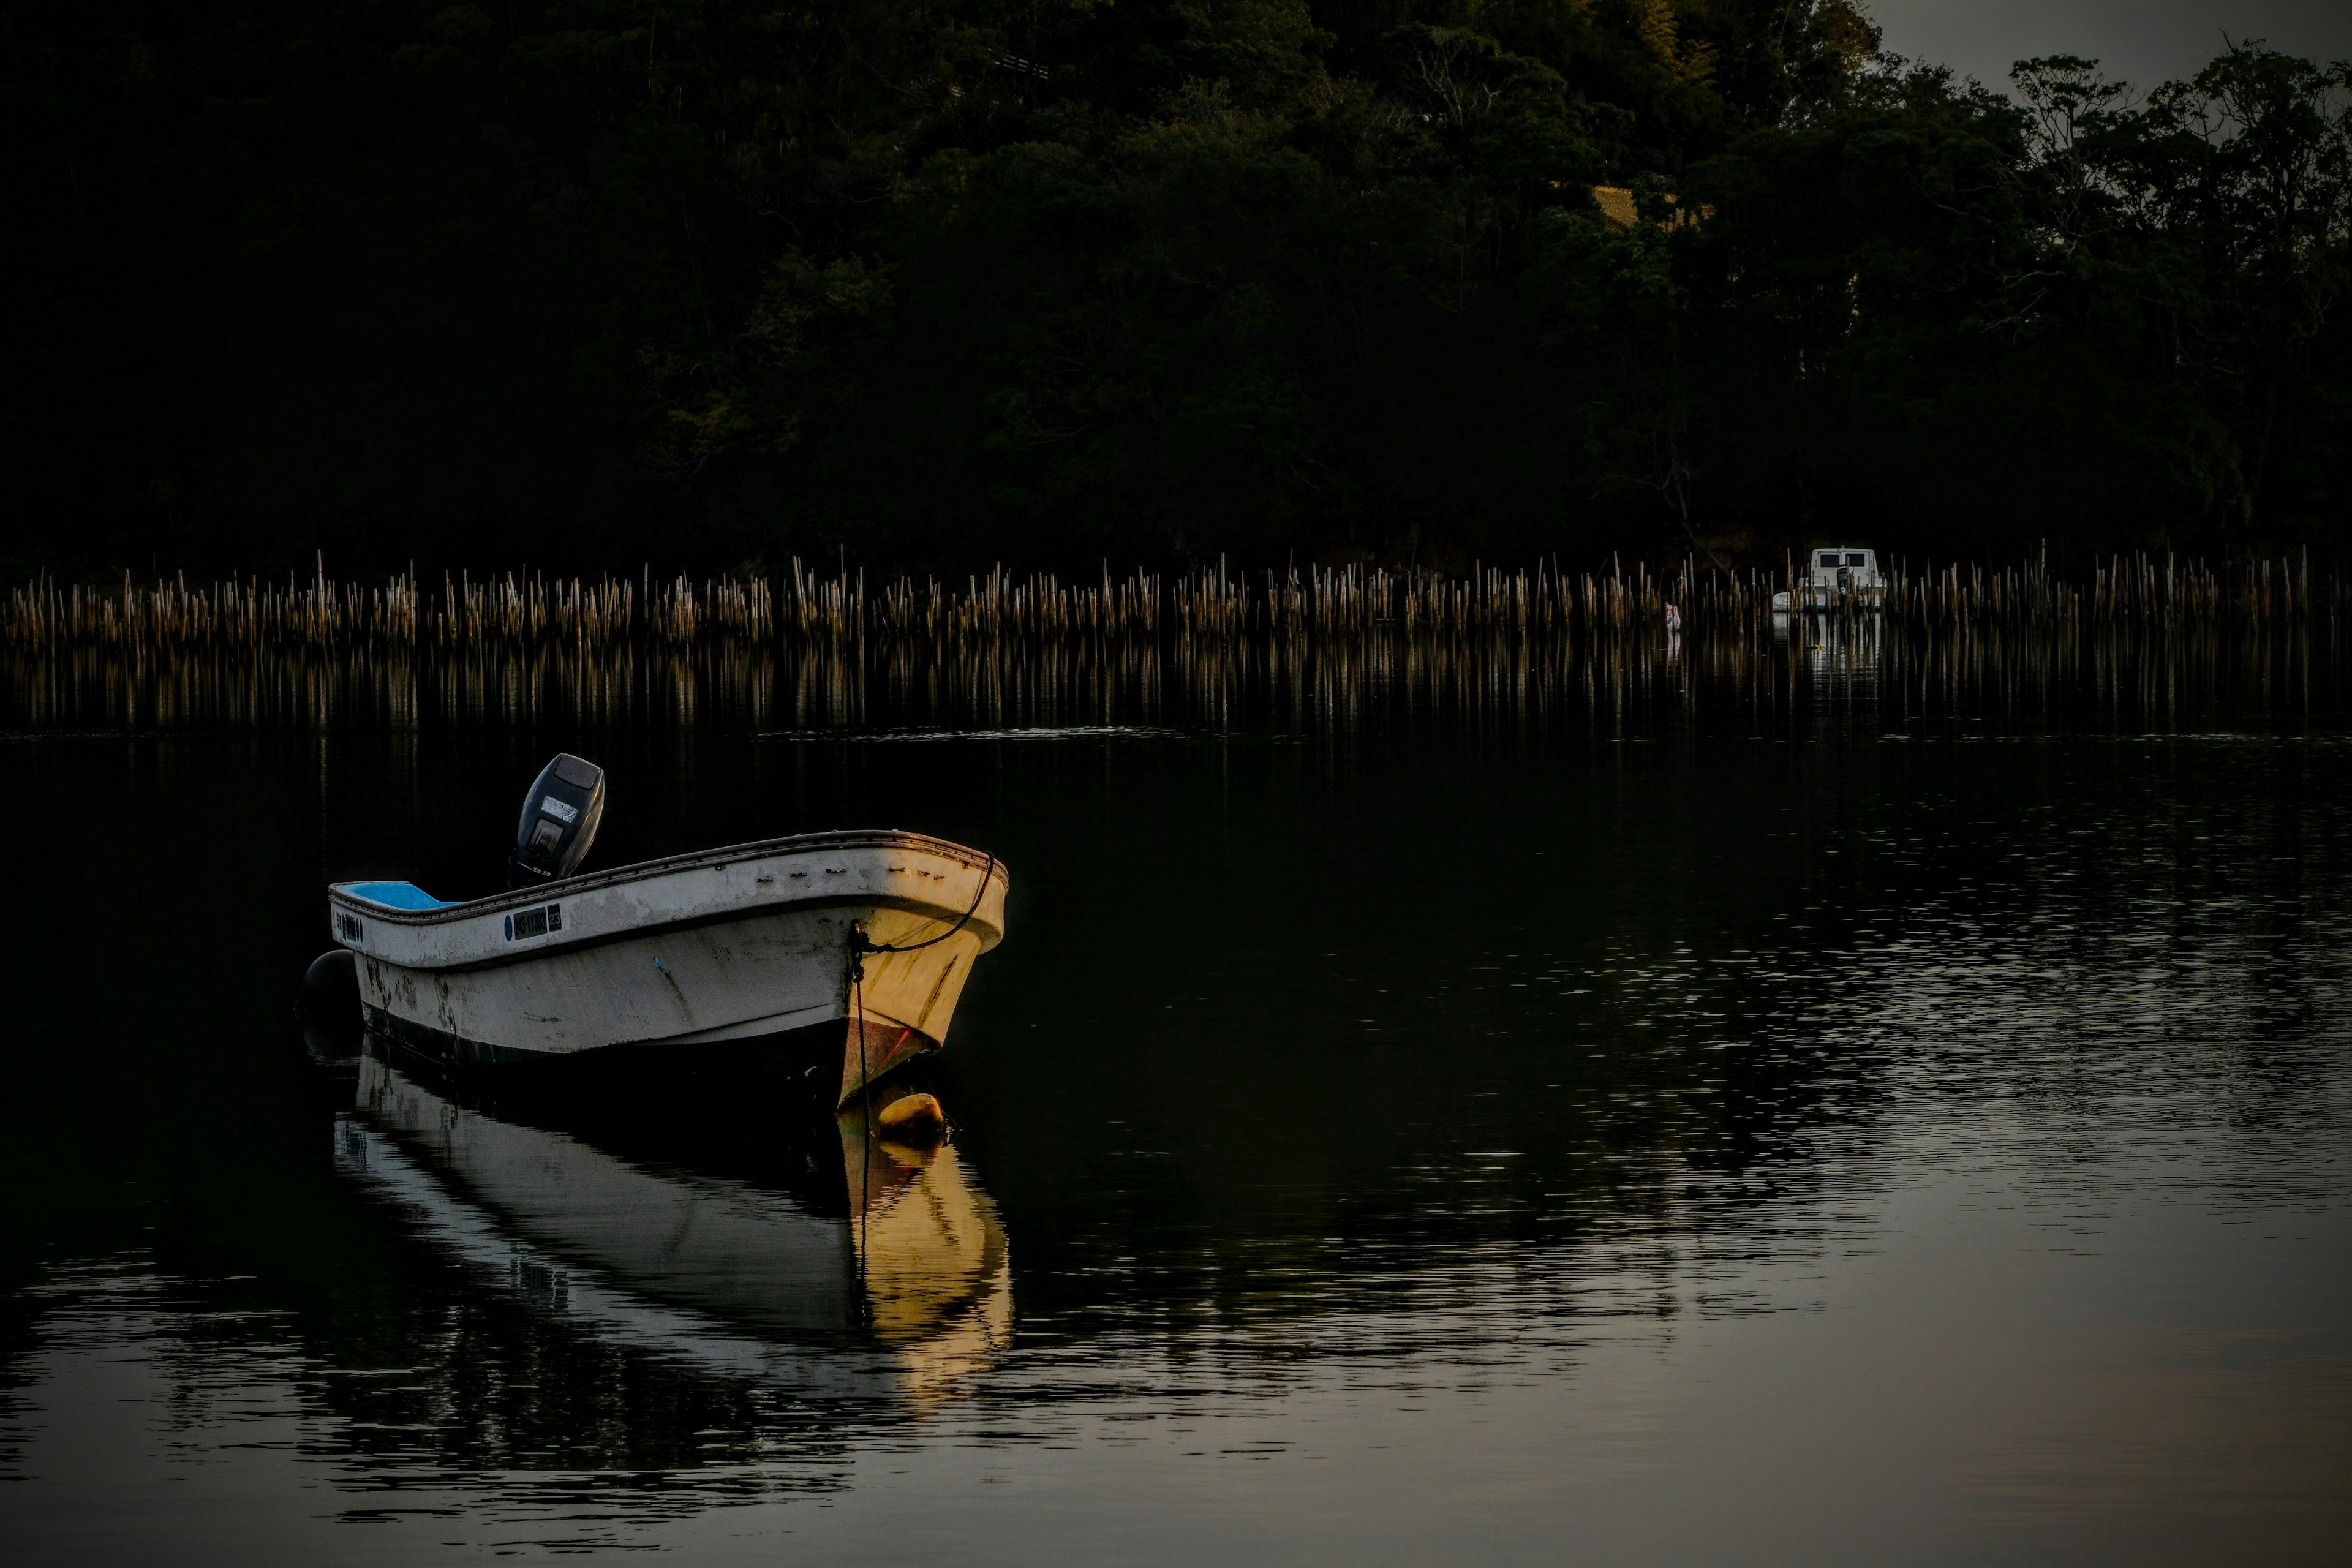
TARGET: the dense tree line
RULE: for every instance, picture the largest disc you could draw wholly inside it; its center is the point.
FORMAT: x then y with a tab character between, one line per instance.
708	282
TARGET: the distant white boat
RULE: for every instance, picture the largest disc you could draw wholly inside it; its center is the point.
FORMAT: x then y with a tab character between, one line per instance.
755	948
1843	573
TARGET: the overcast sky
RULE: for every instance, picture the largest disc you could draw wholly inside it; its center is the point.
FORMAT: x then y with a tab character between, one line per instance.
2141	41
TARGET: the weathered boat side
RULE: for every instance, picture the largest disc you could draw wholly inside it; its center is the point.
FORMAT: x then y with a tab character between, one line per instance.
746	947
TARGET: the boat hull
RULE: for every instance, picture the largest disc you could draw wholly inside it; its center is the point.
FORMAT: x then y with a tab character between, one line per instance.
740	955
826	1062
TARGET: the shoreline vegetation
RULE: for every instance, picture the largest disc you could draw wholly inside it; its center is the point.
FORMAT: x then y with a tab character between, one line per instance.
802	607
729	283
2135	641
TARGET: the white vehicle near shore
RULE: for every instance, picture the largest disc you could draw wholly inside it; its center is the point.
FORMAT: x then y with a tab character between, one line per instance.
1837	574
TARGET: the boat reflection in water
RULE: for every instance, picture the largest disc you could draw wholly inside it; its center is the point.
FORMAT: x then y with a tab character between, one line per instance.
824	1258
1844	652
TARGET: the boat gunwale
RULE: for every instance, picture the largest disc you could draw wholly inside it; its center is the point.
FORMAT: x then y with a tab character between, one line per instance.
698	859
988	931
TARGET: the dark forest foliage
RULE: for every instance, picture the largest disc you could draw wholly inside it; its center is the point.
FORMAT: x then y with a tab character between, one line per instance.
593	281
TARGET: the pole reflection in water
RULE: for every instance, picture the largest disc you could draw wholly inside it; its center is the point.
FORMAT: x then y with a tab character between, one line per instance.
852	1266
1843	653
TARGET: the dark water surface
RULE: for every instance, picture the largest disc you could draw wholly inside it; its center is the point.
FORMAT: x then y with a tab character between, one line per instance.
1849	1113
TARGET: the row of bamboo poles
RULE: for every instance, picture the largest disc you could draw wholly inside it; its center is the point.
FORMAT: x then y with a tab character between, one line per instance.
804	606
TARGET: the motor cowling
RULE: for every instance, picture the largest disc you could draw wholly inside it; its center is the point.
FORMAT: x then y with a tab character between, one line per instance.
559	821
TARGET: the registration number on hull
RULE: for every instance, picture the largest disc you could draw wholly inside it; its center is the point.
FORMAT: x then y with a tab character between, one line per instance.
535	922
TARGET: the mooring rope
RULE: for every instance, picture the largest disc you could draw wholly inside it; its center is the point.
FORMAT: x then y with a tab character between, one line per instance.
865	1102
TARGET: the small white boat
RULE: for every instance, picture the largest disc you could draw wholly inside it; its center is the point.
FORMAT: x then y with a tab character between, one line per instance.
1844	573
833	957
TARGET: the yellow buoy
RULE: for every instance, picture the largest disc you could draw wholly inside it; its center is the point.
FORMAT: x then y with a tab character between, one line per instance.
911	1117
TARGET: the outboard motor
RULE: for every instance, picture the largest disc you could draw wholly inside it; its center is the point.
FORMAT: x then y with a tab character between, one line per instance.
559	821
